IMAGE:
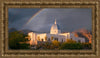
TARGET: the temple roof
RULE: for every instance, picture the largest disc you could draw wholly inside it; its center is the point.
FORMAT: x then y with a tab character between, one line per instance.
55	26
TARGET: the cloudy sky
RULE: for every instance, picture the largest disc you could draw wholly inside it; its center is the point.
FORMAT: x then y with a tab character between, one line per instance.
41	20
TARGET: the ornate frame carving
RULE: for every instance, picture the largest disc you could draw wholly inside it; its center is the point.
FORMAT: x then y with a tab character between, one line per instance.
56	4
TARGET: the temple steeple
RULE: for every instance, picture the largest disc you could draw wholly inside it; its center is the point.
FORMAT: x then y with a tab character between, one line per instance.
55	21
55	28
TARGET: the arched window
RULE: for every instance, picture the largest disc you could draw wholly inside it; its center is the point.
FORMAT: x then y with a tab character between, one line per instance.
79	41
56	39
52	37
38	38
62	40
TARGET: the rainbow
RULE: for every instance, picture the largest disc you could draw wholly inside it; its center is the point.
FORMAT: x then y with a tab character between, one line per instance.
34	16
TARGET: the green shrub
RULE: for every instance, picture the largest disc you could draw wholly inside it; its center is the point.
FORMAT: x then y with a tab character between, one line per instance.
56	43
24	46
86	45
71	46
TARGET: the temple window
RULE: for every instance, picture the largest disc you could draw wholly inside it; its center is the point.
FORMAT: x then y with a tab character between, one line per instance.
48	39
62	40
56	39
79	41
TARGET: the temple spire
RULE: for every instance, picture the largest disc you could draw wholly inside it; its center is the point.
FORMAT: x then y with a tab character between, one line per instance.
55	21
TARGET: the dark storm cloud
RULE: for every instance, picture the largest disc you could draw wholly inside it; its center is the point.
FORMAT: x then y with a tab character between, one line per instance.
19	16
69	19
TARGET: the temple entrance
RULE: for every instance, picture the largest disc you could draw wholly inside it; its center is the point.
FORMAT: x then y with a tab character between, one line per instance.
42	39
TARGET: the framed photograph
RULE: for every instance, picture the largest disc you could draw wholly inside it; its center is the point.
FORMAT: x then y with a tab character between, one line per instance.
49	28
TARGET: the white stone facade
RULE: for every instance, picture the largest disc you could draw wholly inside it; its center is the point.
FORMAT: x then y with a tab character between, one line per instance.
55	34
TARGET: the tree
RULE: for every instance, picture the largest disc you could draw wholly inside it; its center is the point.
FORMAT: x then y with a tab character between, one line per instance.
66	45
70	41
86	45
14	39
56	43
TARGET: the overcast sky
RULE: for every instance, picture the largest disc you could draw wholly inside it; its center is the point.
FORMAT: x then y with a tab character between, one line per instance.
41	20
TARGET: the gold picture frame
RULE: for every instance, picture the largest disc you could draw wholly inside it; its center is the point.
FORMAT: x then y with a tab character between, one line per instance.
5	52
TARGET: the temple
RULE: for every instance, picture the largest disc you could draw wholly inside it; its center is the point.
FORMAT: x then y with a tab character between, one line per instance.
55	34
